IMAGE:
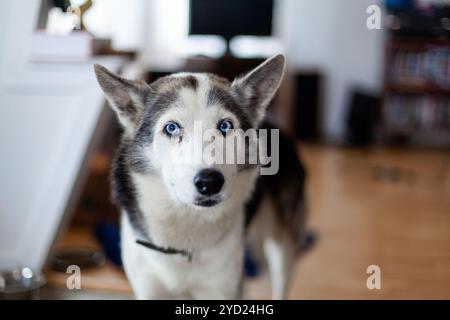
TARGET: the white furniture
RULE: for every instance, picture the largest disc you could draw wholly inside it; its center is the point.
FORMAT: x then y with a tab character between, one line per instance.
49	114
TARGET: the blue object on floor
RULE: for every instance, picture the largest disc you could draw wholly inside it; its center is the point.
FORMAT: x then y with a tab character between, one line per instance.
250	266
108	235
404	5
308	241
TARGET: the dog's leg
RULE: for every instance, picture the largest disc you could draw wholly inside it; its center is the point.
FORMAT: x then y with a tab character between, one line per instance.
273	246
216	294
148	287
280	253
225	286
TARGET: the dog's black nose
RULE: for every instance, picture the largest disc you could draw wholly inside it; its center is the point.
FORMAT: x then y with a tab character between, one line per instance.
209	182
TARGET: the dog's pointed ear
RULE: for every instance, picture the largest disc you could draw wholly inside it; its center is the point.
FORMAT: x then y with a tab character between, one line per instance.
126	97
256	89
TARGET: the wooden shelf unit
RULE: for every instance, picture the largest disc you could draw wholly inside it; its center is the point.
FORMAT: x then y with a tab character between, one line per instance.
411	93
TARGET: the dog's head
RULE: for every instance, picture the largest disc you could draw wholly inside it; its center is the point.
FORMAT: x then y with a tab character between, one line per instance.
166	121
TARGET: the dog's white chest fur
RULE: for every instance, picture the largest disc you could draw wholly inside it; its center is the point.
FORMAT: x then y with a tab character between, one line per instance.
213	272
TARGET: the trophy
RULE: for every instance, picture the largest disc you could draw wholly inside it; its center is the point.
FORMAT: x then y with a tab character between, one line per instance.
79	12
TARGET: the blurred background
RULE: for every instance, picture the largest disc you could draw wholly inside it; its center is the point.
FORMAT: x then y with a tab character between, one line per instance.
366	97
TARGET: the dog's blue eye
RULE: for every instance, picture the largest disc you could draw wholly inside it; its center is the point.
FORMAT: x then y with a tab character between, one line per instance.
225	126
172	129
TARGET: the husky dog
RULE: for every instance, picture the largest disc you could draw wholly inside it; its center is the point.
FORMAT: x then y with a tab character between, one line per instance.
184	226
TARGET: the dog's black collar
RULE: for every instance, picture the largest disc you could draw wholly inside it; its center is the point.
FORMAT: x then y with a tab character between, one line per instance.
186	253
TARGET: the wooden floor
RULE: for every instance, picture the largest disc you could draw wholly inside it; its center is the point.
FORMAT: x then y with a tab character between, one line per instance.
389	208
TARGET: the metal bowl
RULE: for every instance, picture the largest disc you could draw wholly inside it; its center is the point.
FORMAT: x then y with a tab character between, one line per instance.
20	284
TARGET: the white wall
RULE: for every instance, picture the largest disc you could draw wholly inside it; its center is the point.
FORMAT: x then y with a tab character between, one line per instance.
125	22
331	35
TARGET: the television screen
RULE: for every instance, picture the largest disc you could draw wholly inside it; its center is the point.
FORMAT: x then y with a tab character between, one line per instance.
229	18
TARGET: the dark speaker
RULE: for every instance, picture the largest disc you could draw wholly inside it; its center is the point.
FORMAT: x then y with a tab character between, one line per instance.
155	75
362	117
307	90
